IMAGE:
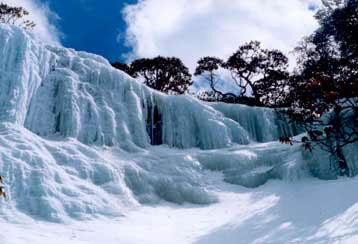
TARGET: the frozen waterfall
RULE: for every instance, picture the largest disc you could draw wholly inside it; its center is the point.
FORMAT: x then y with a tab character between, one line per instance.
76	135
53	90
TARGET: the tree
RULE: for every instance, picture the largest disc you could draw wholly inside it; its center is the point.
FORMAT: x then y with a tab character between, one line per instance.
325	86
258	71
166	74
208	68
15	16
261	75
123	67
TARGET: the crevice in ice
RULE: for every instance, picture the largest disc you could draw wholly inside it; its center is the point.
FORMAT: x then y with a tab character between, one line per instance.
155	125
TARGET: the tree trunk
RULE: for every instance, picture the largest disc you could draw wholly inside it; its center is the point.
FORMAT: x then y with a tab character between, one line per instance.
342	162
337	125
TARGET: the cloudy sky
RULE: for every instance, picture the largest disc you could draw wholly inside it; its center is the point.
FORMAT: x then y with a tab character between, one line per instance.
189	29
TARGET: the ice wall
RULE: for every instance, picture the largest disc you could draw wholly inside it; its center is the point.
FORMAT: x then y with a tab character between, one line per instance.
23	63
53	90
262	124
324	165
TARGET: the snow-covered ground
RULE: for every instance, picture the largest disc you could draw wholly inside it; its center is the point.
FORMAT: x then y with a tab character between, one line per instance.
310	211
75	153
297	209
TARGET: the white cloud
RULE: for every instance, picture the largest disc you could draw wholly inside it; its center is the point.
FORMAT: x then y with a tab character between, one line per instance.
190	29
42	16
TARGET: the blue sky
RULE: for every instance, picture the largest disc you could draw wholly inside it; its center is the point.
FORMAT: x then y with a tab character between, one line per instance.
91	25
188	29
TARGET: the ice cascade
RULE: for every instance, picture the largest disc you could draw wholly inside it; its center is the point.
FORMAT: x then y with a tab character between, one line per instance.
76	137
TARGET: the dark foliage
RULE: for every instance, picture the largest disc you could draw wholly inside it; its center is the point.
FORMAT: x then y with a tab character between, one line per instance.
166	74
261	72
261	75
15	16
211	96
208	68
123	67
324	90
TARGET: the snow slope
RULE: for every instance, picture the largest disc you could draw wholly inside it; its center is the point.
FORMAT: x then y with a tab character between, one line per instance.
75	145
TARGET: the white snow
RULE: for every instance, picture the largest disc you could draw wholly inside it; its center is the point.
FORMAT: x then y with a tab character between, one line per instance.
79	168
277	213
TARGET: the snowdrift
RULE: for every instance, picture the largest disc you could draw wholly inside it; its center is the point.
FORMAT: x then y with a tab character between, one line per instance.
76	135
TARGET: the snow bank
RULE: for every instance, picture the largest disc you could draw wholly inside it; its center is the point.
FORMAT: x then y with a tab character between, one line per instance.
252	166
175	176
57	179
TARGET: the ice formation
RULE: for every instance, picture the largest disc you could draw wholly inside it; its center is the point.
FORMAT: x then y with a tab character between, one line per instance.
76	135
262	124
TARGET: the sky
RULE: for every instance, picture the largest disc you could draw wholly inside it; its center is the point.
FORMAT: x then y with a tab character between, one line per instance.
94	26
189	29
